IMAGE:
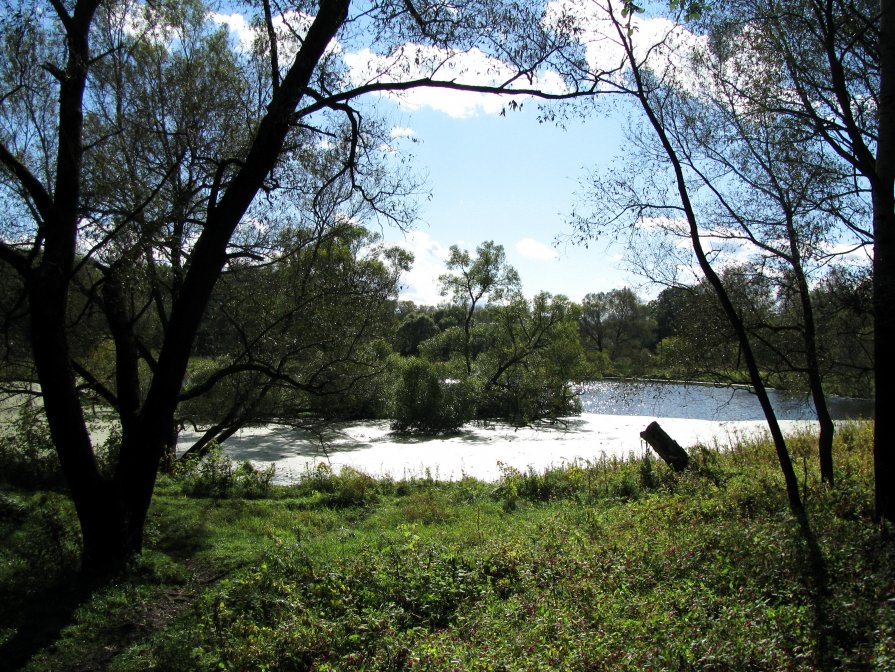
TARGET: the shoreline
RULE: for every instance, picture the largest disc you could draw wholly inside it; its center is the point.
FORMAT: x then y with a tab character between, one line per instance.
479	451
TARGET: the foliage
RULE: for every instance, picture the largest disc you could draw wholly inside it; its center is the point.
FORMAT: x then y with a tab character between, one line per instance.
302	336
519	355
414	329
612	564
217	475
28	457
27	454
618	324
426	399
472	281
534	356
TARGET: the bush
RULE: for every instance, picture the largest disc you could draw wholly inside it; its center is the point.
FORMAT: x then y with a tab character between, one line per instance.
528	396
27	455
424	399
217	475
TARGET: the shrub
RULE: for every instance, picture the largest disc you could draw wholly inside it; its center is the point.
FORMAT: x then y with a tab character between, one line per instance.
425	399
347	488
217	475
27	454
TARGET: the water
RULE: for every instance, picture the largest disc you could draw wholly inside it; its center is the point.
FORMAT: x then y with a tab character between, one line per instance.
706	402
614	414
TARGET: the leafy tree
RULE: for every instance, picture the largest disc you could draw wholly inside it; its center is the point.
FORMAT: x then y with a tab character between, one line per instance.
844	301
426	399
296	338
652	77
617	323
703	345
667	310
416	328
488	277
533	354
141	146
833	63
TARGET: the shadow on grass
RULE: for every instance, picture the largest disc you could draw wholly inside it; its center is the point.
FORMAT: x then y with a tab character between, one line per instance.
41	603
39	618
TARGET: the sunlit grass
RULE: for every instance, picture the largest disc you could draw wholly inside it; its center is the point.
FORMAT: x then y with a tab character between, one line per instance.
610	565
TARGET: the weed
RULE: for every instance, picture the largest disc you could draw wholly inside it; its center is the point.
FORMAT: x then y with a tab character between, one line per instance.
217	475
617	565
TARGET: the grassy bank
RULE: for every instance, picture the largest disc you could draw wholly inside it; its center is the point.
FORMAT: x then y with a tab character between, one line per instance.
605	566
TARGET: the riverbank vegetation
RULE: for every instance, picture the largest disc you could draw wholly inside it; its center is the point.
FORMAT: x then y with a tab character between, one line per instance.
189	230
618	565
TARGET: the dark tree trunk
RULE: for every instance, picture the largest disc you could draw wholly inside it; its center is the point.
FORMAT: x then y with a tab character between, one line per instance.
815	384
733	317
884	271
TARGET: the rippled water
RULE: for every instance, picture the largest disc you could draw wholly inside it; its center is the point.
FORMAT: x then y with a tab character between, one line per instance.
706	402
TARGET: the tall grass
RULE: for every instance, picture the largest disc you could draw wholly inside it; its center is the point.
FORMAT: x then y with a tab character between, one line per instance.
610	565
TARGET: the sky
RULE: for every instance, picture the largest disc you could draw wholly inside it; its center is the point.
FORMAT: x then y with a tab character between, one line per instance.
506	178
496	173
513	180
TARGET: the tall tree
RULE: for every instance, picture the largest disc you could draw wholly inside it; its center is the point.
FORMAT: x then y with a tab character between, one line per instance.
651	75
135	141
471	282
836	64
617	322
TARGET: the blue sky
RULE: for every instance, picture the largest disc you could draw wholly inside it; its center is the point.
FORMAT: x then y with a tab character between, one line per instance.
506	178
510	179
513	180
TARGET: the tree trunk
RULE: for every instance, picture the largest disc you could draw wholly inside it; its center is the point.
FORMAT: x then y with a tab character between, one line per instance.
815	384
666	447
884	271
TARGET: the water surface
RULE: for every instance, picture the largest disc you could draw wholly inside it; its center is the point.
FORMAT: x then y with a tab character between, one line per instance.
614	414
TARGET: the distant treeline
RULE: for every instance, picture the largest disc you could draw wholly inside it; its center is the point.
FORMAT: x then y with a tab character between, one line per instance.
323	335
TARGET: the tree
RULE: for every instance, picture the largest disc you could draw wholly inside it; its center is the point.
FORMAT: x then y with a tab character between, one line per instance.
667	310
532	356
651	76
425	399
618	323
416	328
143	148
844	301
702	345
488	277
766	189
295	338
834	63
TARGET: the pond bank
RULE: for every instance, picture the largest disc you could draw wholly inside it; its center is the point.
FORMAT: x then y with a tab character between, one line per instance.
478	451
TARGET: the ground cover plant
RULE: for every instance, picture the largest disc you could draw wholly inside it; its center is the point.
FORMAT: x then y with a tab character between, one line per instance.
612	565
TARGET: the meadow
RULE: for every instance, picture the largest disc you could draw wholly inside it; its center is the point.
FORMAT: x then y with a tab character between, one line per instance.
608	565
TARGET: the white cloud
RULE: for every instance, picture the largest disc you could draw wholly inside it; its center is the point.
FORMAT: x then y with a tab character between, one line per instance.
661	44
420	284
290	28
412	61
676	226
402	132
238	26
143	23
532	249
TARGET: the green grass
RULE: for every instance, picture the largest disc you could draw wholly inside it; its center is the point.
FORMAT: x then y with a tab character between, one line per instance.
606	566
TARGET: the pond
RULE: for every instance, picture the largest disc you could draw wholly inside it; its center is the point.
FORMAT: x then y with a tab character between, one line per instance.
614	414
706	402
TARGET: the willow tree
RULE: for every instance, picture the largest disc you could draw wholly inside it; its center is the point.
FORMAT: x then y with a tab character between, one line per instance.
143	145
835	63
